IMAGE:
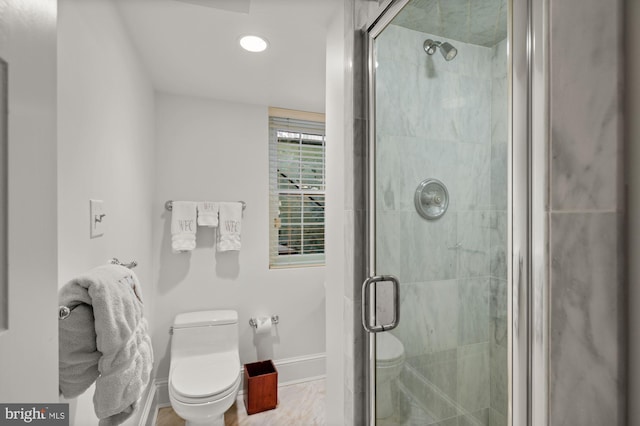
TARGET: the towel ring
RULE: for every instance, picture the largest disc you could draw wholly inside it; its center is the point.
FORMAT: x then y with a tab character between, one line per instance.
169	205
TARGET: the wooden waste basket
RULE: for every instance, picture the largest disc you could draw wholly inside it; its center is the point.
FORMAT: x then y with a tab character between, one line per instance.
260	386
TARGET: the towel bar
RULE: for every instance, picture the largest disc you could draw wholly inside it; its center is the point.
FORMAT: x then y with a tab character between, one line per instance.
130	265
169	205
253	322
64	311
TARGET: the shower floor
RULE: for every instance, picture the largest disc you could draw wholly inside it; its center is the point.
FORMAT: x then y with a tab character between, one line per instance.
299	404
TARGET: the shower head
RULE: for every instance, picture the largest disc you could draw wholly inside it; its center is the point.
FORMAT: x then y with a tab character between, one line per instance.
448	51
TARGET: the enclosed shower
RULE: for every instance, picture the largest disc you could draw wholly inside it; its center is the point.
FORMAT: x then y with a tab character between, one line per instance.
439	212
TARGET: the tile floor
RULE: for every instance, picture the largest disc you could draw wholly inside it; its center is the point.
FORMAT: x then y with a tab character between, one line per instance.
299	404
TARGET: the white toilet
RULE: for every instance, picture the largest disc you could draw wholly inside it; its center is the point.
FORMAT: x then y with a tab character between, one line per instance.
389	362
204	377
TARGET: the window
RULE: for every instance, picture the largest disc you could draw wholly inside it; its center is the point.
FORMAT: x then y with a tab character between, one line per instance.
296	188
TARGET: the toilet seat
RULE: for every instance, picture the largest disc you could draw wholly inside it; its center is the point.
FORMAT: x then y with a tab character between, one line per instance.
389	350
188	401
203	378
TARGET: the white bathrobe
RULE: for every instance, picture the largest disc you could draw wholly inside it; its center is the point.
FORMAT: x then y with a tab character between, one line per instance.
106	340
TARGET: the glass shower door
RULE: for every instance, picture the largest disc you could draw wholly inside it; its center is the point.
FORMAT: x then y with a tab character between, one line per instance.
439	214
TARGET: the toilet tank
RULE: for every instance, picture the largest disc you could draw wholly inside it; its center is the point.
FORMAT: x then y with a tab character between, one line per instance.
204	332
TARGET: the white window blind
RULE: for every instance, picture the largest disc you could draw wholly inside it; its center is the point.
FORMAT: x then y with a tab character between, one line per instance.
296	192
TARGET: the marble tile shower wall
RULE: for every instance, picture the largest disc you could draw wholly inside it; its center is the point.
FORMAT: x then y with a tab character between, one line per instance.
587	345
446	120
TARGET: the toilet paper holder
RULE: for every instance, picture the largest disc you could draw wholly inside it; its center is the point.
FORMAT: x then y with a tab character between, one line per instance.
275	319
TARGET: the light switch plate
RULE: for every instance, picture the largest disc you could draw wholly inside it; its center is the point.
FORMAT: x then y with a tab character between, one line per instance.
97	218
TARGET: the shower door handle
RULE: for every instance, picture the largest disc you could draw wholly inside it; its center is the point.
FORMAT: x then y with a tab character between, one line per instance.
366	304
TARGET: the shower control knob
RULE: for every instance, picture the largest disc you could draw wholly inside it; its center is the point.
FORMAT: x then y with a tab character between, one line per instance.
431	199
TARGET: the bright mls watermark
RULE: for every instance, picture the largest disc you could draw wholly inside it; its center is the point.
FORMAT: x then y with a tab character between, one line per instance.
34	414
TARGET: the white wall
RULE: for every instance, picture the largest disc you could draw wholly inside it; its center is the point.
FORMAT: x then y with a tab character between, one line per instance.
105	151
335	235
29	348
218	151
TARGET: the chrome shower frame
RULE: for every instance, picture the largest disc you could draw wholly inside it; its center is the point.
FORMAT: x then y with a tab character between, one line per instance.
528	200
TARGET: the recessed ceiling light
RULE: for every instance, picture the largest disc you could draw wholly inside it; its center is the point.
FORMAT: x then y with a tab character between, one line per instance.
253	43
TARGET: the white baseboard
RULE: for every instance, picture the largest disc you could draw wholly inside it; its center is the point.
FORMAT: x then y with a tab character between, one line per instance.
290	371
301	369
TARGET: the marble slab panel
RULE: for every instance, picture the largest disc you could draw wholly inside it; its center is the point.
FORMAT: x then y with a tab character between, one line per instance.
439	368
397	107
390	165
389	244
474	177
498	301
474	249
429	317
496	419
473	310
428	248
434	402
585	105
474	112
499	108
473	377
403	162
499	176
499	58
479	23
399	44
471	60
440	102
478	418
407	410
498	331
484	26
586	348
499	379
448	422
498	244
499	55
421	15
455	15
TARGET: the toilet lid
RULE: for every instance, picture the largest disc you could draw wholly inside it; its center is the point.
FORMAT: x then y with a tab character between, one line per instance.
205	375
388	348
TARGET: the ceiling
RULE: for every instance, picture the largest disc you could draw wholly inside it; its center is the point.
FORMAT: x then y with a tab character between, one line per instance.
190	47
482	22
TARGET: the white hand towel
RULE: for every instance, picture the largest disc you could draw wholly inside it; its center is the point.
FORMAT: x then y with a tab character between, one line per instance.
230	226
208	214
183	226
